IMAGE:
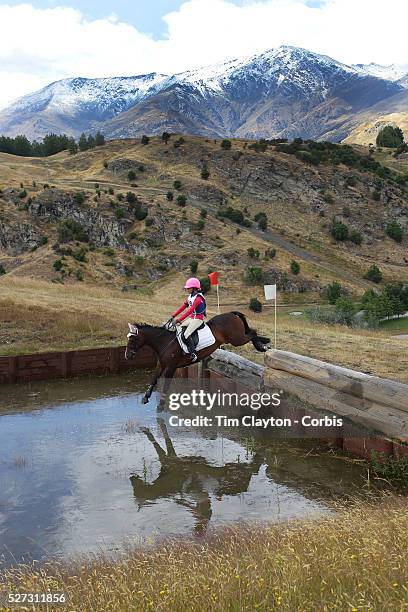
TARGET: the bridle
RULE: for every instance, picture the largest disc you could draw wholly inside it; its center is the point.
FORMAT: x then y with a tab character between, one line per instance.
134	332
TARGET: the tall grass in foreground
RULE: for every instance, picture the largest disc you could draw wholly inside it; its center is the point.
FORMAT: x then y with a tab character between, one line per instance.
354	560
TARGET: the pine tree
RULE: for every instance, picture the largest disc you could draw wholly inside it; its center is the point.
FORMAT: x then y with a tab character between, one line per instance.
390	136
72	146
91	142
83	142
99	139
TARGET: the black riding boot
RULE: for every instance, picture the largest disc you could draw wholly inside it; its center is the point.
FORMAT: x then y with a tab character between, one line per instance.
191	348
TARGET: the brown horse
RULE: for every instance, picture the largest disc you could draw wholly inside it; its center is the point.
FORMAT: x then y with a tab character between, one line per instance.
228	328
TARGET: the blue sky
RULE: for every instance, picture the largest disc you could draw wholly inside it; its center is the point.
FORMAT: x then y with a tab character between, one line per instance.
46	40
144	14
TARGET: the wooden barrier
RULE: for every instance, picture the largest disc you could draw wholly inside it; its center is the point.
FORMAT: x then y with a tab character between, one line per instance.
43	366
376	403
376	408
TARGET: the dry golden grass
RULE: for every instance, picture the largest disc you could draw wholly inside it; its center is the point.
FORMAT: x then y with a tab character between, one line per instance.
355	560
37	316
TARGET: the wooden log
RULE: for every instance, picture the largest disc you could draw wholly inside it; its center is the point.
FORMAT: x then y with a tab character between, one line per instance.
385	419
351	382
234	366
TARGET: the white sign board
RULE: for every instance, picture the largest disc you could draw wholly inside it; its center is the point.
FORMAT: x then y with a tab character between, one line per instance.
270	292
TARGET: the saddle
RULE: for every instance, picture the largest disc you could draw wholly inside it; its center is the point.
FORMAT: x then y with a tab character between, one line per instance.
202	337
194	335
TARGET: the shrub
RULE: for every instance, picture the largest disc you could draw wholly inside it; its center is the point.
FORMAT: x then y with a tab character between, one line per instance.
205	284
203	213
139	211
79	197
177	143
226	144
131	175
193	266
22	194
109	252
333	292
270	253
263	223
356	237
120	197
294	267
58	265
254	276
205	174
80	254
149	221
255	305
374	274
130	197
145	140
69	230
181	200
141	168
345	309
170	196
79	275
376	195
339	230
2	270
394	231
119	213
111	191
166	137
253	253
44	240
177	184
200	224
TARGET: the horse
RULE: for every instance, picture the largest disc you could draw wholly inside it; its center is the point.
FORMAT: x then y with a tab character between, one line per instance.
227	328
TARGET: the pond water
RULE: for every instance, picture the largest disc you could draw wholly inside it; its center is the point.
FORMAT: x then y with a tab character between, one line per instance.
85	466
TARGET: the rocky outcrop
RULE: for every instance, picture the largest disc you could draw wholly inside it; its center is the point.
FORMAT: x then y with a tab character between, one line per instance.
121	165
290	284
17	238
101	226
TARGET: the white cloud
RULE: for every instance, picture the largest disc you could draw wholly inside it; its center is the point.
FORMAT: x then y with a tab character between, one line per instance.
38	46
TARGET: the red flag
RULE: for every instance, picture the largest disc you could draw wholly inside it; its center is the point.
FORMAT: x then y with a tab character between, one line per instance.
213	276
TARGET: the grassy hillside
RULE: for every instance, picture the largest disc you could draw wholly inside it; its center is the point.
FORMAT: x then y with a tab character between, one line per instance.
61	290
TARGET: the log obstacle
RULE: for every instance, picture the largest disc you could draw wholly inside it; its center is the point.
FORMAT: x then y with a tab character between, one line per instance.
377	403
375	409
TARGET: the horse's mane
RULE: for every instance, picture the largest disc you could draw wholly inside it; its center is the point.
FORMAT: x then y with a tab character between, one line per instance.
155	327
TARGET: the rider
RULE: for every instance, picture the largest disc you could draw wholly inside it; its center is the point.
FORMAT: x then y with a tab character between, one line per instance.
193	317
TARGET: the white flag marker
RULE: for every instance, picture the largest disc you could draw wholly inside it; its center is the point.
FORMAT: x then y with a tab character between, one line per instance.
270	294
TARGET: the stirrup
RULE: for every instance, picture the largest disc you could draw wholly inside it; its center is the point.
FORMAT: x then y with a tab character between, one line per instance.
194	357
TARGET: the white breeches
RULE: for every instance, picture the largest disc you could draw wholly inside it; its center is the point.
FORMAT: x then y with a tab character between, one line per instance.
191	325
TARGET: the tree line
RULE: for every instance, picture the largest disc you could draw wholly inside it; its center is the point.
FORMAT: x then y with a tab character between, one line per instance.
50	145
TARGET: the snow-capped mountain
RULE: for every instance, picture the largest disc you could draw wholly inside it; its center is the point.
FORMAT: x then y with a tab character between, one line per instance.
393	72
285	91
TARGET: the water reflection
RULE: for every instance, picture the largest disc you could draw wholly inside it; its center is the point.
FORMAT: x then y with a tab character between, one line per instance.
83	467
192	480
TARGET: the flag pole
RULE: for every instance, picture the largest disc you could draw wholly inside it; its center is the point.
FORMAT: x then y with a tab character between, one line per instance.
275	321
218	301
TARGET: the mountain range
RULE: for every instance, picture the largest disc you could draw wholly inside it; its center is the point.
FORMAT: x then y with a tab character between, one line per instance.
284	92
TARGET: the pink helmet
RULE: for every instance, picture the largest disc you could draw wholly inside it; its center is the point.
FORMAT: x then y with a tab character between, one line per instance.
192	283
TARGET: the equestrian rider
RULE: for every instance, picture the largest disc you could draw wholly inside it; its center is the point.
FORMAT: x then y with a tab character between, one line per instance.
193	317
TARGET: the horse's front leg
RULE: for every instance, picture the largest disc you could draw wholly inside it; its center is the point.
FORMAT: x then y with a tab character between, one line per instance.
168	374
150	388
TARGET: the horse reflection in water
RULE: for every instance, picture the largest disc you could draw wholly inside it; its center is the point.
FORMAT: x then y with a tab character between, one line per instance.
191	480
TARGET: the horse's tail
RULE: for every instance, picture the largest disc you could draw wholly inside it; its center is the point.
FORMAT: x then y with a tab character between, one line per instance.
258	341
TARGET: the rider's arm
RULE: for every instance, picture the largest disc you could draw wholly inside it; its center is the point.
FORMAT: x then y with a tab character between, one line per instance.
182	307
198	300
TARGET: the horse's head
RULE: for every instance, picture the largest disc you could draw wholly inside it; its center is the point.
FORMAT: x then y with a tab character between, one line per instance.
135	341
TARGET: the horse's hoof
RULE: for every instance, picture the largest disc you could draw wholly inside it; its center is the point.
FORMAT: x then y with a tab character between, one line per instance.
145	400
